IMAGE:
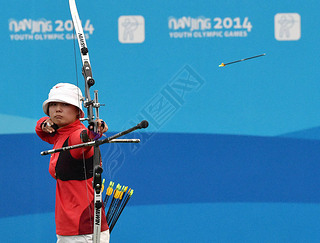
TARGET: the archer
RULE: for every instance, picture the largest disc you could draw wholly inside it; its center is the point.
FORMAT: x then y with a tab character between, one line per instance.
72	169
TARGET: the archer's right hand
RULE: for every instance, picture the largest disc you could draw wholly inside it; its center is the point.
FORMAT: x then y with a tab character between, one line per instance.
49	126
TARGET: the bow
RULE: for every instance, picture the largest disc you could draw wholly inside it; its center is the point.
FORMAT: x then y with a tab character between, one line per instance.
90	105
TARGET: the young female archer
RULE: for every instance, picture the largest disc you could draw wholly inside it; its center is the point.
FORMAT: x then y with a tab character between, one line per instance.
73	169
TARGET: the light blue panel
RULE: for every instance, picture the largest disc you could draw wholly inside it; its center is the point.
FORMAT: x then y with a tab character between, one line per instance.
220	222
226	222
17	124
28	228
273	95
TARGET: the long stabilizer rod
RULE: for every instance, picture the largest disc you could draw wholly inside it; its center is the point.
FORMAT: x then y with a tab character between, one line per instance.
112	139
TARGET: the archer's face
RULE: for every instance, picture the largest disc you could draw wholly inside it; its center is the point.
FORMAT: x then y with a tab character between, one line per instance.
63	114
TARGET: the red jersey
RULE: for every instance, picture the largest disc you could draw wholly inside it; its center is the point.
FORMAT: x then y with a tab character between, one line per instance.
73	171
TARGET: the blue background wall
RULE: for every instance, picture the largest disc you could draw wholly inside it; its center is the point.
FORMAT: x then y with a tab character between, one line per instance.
231	154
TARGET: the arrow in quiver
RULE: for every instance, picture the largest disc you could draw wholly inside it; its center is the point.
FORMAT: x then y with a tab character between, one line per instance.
120	197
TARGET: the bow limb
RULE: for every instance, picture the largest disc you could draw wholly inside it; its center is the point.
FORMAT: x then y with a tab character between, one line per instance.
79	31
86	67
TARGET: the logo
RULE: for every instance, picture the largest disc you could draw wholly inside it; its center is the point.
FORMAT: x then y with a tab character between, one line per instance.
82	41
43	29
287	26
97	220
203	27
159	110
131	29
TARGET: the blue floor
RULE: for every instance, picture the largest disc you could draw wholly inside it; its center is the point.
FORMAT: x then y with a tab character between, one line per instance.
210	222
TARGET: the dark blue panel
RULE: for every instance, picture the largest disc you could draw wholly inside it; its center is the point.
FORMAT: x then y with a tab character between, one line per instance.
181	168
173	168
26	186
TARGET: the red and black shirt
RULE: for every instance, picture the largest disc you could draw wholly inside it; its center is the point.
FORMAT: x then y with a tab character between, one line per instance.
73	171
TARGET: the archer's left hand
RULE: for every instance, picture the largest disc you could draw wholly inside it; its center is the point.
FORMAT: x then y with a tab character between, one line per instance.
102	127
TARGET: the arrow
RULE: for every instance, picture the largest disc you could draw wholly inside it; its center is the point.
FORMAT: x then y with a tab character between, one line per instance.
241	60
108	193
125	201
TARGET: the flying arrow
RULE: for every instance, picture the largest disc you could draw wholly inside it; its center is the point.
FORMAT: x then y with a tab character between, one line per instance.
241	60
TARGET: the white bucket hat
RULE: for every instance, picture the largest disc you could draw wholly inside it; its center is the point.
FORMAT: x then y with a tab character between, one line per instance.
65	93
